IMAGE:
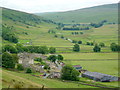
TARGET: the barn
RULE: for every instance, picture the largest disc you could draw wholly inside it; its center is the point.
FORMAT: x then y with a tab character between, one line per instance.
99	76
77	67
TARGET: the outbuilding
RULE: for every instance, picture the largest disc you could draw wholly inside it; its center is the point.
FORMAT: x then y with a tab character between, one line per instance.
99	76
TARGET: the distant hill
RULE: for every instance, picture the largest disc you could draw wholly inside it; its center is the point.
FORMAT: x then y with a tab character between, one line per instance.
93	14
24	26
22	17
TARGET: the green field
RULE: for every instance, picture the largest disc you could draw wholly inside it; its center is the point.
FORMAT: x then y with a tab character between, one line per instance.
95	62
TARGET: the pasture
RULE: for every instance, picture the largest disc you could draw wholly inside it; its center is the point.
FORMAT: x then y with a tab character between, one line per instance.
96	62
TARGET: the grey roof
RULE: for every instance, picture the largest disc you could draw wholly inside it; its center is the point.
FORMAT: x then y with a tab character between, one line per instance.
97	75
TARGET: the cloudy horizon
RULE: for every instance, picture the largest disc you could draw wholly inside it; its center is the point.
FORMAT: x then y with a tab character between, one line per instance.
40	6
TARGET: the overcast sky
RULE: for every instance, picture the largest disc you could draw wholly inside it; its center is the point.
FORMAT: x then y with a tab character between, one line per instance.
35	6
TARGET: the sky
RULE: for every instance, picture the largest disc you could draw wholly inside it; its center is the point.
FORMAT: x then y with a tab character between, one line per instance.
39	6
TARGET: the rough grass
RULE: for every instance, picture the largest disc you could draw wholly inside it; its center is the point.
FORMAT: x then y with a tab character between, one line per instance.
49	83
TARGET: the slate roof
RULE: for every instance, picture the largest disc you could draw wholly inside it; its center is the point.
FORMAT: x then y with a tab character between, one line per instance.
97	75
77	66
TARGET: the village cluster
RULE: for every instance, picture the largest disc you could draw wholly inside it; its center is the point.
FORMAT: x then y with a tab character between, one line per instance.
27	60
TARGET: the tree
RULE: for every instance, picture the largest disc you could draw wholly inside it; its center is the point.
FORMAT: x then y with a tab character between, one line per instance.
19	47
28	70
8	60
52	50
20	67
76	48
102	44
52	58
60	57
69	73
114	47
9	48
96	48
79	42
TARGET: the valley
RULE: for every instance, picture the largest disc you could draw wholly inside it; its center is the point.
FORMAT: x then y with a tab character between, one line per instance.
46	30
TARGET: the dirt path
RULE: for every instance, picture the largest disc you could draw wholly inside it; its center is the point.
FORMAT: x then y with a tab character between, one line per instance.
23	79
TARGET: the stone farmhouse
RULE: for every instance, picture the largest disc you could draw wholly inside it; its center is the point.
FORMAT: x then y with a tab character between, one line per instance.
27	60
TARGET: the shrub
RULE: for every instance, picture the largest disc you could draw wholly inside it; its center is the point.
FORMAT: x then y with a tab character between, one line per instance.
28	70
20	67
46	67
38	59
9	48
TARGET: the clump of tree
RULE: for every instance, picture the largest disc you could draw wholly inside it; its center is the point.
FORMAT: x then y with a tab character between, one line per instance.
96	48
76	48
7	34
9	48
115	47
8	60
60	57
90	43
37	49
52	50
53	58
19	48
100	24
75	28
69	73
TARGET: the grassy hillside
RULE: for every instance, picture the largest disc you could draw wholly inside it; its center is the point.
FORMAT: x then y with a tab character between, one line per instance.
94	14
30	81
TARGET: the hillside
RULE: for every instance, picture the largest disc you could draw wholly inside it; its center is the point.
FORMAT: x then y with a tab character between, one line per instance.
93	14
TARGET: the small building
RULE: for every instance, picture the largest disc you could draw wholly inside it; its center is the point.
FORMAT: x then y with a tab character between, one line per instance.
99	76
77	67
54	75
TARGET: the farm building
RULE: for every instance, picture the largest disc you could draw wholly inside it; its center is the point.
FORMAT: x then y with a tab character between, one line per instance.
77	67
54	75
28	58
99	76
